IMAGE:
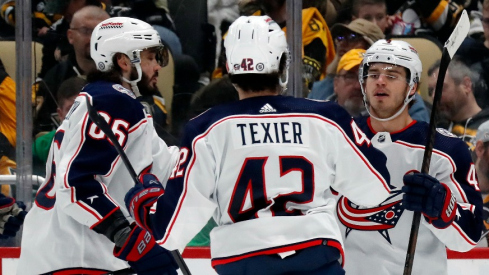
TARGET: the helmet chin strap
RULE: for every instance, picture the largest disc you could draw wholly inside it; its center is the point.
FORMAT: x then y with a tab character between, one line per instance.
406	102
134	83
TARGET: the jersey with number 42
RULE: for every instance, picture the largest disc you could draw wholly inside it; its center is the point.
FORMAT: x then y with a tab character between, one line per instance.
378	236
86	181
261	167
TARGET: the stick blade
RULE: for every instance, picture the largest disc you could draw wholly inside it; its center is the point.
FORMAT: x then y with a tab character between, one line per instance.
458	35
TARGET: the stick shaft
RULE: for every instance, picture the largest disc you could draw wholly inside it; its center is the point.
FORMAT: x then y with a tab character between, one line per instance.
425	167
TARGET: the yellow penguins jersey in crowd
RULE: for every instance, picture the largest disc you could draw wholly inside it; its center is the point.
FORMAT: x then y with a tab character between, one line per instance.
7	109
314	26
7	126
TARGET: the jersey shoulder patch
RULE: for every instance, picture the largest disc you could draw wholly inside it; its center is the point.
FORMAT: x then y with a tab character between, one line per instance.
445	132
123	90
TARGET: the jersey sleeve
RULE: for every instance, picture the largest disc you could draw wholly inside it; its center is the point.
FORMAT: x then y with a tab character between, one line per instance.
465	231
187	204
86	156
360	167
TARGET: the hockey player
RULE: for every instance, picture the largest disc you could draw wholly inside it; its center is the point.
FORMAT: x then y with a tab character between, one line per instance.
76	217
448	196
262	166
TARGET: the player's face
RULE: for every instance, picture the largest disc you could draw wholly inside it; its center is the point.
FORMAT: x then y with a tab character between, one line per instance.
347	88
374	13
386	87
150	68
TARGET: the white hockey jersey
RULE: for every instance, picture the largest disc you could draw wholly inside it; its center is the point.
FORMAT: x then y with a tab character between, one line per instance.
86	181
376	238
262	167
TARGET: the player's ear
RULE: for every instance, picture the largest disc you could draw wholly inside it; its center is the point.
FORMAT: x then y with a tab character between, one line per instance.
413	89
123	62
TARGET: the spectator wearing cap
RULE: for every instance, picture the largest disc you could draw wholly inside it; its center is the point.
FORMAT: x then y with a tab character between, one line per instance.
359	34
347	91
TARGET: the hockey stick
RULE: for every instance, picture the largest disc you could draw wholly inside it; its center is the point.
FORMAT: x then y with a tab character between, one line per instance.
451	45
102	124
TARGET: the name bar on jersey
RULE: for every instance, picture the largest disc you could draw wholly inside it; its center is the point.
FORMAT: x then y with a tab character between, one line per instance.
271	133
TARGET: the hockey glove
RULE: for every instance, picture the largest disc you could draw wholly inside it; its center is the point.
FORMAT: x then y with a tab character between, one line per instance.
426	194
141	197
12	216
142	253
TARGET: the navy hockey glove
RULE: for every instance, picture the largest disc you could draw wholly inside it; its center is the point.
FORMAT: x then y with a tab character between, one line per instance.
142	253
426	194
12	216
141	197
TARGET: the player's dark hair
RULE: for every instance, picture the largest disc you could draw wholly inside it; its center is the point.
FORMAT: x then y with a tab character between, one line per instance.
259	82
256	82
219	91
112	75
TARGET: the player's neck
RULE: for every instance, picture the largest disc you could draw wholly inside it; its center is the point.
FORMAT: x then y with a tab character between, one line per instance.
247	94
393	125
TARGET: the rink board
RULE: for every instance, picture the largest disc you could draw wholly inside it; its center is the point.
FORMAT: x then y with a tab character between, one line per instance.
474	262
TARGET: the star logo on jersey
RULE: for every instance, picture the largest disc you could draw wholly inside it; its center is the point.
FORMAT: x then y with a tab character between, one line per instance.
267	108
92	198
380	218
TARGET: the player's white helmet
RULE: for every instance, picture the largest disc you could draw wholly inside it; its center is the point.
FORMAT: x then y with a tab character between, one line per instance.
124	35
396	52
255	45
